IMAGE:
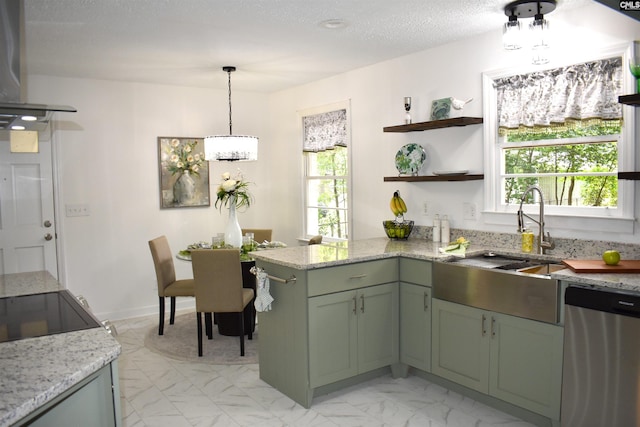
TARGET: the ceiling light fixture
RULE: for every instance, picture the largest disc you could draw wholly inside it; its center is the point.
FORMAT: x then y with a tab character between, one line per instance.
334	24
230	147
539	34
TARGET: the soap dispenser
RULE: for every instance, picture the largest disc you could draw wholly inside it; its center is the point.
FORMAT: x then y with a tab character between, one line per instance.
527	240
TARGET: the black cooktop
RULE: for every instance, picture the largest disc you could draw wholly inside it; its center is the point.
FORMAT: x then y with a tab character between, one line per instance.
36	315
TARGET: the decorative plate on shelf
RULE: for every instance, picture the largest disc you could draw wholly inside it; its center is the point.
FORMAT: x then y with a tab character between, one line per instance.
410	159
451	173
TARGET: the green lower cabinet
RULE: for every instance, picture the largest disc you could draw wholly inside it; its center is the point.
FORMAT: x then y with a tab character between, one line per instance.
415	326
352	332
510	358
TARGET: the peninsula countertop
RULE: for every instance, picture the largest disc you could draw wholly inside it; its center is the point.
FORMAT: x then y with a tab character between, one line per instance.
36	370
327	255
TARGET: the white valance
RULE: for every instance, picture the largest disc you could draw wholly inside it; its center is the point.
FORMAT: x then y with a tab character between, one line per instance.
578	93
325	131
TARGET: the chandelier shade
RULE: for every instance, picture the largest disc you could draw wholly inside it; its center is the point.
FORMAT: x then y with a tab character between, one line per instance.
230	147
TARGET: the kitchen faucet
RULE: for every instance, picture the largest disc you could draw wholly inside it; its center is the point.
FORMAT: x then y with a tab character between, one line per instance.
543	243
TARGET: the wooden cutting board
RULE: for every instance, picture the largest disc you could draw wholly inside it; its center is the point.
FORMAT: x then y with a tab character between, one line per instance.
598	266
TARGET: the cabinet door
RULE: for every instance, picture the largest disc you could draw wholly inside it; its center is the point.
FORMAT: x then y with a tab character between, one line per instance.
333	340
526	363
415	326
461	344
377	326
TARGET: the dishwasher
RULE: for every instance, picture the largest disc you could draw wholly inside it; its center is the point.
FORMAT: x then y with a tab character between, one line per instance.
601	371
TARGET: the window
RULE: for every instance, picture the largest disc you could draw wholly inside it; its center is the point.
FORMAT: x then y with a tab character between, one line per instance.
326	157
562	130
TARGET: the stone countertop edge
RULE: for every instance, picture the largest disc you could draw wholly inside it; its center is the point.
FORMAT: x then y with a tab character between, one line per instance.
37	370
321	256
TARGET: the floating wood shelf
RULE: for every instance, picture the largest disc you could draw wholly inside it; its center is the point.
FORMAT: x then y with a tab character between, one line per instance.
630	99
435	124
474	177
629	175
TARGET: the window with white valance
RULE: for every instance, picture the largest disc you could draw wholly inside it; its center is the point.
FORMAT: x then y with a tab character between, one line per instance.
563	130
325	134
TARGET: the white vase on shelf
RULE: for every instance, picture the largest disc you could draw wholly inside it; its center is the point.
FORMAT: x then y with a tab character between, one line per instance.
233	232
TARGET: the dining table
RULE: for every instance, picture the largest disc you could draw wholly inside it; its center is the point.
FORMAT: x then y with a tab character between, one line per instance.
228	322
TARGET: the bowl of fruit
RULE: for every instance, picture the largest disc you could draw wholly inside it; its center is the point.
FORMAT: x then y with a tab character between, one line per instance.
398	230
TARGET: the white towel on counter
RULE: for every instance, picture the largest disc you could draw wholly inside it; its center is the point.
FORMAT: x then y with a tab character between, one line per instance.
263	297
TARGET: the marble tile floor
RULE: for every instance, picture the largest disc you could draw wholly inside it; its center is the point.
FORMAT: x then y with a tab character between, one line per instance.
157	391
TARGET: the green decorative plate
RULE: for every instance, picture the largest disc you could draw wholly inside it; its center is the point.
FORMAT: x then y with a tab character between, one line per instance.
410	158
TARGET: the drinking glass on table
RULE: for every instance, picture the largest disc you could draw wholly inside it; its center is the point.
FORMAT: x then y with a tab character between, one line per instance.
217	241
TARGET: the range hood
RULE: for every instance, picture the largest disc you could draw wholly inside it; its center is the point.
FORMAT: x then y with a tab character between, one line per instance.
15	114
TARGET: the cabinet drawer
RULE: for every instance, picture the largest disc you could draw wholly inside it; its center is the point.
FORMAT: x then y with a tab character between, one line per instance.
415	271
352	276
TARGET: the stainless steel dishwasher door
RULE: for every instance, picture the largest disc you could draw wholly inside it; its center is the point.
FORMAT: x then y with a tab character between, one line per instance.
601	372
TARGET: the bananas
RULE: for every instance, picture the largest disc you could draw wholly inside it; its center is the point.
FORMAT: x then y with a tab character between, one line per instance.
397	205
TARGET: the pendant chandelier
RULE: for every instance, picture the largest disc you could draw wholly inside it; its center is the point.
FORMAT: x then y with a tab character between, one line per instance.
230	147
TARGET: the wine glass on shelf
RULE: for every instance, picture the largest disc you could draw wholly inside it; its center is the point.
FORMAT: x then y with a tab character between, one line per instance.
634	67
407	108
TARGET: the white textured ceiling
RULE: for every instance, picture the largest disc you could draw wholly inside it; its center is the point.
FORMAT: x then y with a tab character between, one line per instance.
275	44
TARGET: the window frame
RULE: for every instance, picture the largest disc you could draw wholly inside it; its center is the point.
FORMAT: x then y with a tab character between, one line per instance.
341	105
620	219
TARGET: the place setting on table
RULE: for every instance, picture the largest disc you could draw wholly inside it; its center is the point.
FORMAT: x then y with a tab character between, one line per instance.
249	244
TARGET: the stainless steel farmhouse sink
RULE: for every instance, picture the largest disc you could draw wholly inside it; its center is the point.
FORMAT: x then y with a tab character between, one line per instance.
509	285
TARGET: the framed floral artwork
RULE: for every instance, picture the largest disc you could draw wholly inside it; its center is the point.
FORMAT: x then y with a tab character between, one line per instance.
184	173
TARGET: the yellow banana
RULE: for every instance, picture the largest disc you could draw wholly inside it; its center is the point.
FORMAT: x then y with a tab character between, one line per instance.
403	205
395	206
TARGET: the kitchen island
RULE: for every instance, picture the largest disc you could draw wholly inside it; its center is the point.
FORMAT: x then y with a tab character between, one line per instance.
344	313
46	377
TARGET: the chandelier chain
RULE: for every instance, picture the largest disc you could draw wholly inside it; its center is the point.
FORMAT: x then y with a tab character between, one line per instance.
230	122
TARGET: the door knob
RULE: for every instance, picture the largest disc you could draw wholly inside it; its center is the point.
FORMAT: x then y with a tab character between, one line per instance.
48	237
47	223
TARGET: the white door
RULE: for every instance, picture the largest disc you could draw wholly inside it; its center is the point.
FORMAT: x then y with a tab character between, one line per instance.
27	223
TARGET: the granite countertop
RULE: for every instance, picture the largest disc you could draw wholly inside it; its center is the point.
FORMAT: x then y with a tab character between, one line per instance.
36	370
327	255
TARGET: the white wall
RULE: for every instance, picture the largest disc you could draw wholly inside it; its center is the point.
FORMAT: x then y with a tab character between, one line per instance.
108	155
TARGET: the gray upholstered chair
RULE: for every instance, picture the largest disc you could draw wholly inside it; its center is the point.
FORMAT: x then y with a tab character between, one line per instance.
218	285
168	286
315	240
259	234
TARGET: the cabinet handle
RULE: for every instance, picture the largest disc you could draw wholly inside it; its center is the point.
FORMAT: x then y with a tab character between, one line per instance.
362	303
484	330
355	305
358	276
426	301
493	324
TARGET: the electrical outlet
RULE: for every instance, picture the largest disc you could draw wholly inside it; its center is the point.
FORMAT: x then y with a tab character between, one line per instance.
77	210
469	211
425	208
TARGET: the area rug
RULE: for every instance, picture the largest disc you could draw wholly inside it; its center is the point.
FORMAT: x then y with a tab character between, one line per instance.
180	342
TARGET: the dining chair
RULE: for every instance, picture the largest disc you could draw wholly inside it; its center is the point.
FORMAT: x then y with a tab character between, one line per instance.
315	240
168	285
218	285
259	234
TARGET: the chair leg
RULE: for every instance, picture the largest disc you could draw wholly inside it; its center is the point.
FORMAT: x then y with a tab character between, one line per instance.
172	317
161	320
199	317
208	323
241	315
